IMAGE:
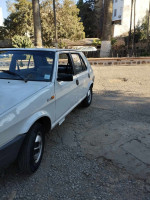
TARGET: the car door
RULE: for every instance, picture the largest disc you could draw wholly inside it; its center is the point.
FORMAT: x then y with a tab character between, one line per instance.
82	75
65	92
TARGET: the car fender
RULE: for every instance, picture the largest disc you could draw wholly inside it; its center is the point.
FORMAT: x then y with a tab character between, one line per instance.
32	119
90	83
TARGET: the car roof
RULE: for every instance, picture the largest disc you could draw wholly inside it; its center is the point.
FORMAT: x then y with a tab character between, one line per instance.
37	49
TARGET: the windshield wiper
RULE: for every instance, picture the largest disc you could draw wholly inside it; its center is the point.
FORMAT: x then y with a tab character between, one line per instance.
15	74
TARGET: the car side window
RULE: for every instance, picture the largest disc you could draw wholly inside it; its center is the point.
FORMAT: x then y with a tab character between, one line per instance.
79	64
65	64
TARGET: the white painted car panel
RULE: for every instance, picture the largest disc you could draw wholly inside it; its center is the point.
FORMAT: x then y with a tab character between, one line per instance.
22	104
21	117
66	96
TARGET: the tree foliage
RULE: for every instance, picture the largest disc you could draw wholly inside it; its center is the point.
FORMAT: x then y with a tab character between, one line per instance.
68	22
21	42
97	42
140	32
20	20
88	17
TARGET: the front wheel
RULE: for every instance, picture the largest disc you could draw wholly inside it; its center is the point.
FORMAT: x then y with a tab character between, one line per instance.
30	156
88	100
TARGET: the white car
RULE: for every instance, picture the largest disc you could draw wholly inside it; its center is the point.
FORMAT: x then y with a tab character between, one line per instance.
38	89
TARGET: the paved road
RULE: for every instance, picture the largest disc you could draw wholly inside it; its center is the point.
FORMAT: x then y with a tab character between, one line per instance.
101	152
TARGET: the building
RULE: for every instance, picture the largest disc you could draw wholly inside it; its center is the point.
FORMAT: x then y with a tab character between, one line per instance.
1	17
122	13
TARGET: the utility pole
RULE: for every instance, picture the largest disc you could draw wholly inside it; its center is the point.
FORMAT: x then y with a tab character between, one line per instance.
37	23
133	40
55	24
129	37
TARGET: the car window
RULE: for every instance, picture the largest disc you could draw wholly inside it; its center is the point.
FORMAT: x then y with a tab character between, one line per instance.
30	65
65	64
79	64
26	61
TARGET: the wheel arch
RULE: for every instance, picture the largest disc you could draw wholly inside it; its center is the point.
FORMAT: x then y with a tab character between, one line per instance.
46	122
90	85
40	117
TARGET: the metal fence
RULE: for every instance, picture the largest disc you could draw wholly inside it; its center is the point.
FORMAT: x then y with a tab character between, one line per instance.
130	53
92	54
120	53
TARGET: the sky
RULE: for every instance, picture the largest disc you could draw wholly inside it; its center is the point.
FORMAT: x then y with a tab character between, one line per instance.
4	8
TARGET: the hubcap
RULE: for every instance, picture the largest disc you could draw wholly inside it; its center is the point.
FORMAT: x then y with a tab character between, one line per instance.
89	96
38	145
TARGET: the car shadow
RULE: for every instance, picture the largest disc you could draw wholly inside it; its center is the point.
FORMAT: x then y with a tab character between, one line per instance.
111	112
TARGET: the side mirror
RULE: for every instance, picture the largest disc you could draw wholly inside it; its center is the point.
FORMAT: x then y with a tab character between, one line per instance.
65	77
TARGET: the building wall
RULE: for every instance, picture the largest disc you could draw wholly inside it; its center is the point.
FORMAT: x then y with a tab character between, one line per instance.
1	17
141	10
117	10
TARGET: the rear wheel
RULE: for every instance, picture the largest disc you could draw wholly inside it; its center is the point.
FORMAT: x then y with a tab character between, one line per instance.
31	152
88	100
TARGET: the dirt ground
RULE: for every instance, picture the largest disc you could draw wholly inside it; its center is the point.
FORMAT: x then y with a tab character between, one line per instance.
124	92
101	152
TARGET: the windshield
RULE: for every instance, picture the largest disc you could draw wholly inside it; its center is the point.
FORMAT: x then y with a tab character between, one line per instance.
26	65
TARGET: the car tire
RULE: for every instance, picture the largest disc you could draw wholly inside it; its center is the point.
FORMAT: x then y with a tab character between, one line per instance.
88	100
31	153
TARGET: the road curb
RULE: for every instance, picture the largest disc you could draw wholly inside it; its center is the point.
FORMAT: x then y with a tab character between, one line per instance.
119	61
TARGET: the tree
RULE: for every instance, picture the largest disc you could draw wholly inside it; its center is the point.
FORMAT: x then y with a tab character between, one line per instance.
68	22
107	29
148	24
88	17
37	23
20	20
68	16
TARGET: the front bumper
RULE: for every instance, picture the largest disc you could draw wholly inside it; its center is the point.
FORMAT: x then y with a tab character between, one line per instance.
9	152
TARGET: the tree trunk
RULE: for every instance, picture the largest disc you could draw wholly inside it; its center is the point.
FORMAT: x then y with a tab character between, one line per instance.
107	29
129	38
134	20
37	23
55	24
148	24
99	11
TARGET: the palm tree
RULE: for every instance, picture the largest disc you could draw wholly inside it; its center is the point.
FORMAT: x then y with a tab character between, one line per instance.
107	29
37	23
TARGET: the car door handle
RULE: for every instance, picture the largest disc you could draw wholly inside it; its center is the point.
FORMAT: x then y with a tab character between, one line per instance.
77	82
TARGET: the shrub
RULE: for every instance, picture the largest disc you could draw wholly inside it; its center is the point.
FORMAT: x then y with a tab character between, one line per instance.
21	42
113	41
97	42
118	43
